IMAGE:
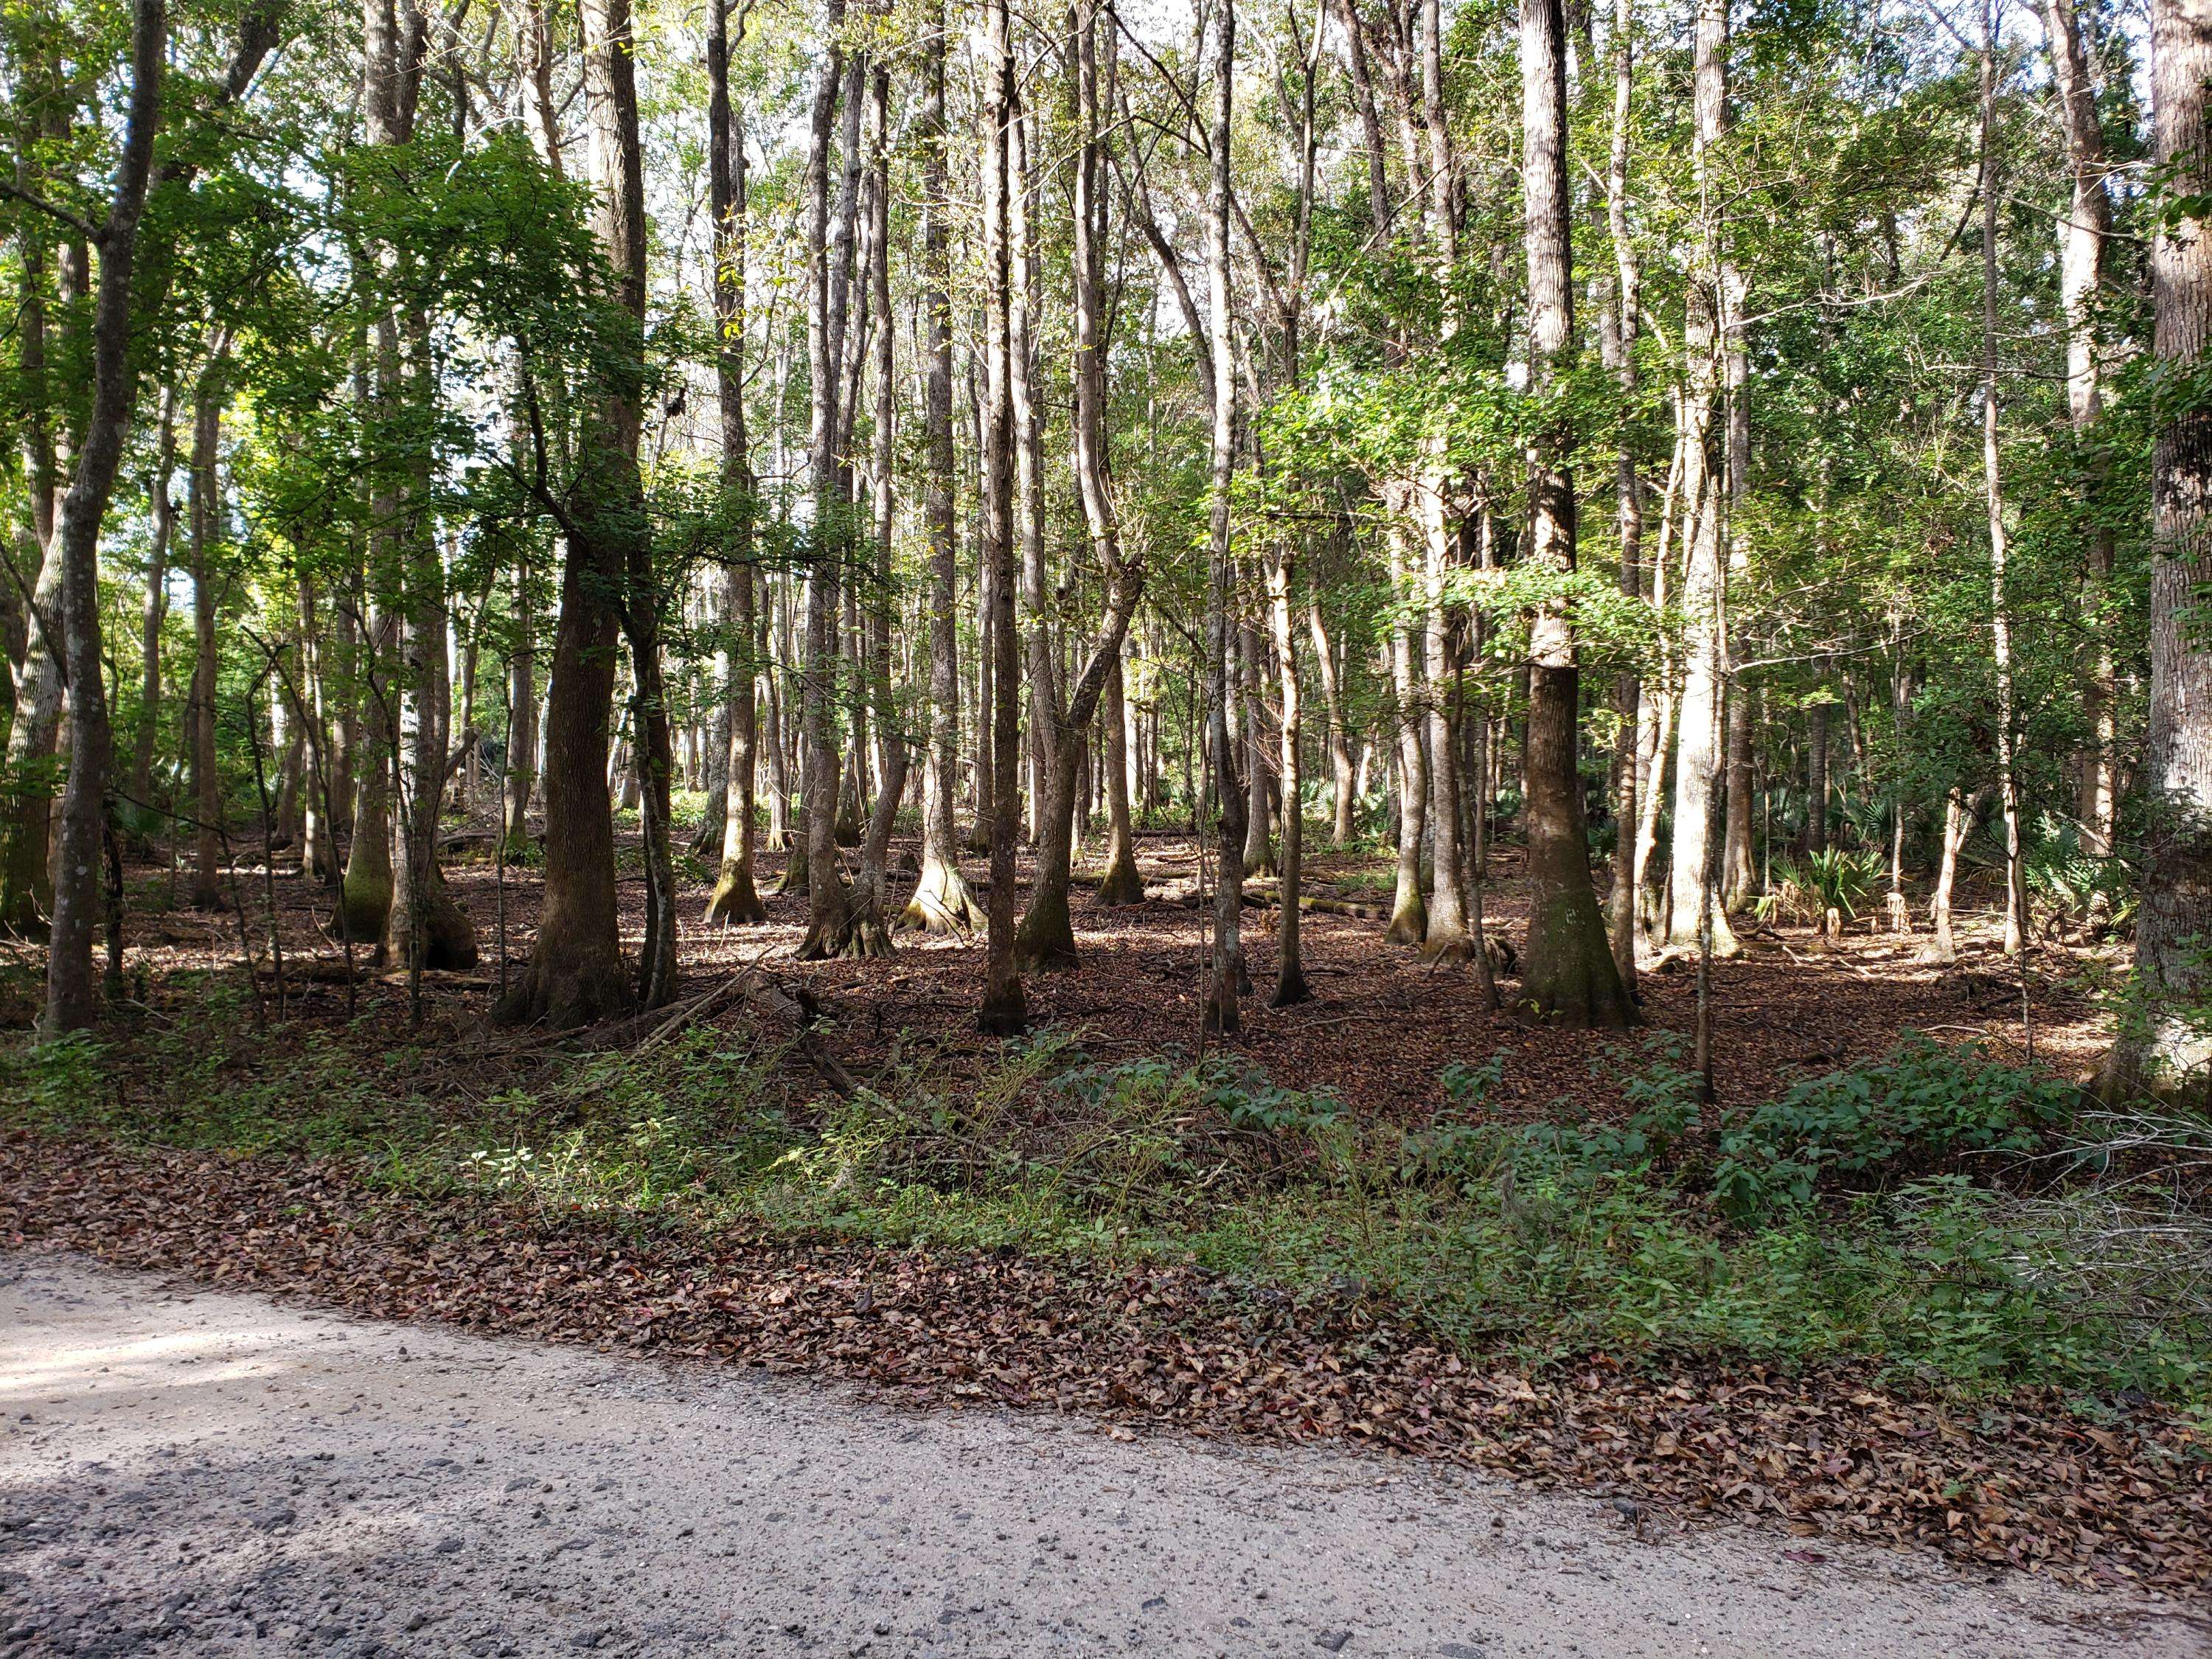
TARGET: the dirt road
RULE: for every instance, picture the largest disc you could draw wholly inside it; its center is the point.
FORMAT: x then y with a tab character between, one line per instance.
201	1473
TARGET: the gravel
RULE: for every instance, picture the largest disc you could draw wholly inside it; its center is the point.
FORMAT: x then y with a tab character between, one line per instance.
199	1472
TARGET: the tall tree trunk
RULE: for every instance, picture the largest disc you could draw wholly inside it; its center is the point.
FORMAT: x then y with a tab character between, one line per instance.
1959	817
318	852
829	254
521	769
941	901
204	503
1622	320
421	927
1226	972
1448	935
736	900
1047	936
1698	761
1567	973
30	782
1004	1010
1409	912
1816	771
2016	922
2083	232
156	607
575	974
1119	881
72	994
1290	987
1343	775
871	935
2166	1048
1736	875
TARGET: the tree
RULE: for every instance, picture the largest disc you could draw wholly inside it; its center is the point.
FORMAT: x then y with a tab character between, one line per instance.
1569	974
941	900
1698	764
1226	971
735	901
2168	1047
1046	936
72	996
575	974
1005	1010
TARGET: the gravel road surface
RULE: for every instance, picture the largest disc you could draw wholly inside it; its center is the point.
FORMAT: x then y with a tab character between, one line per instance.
195	1472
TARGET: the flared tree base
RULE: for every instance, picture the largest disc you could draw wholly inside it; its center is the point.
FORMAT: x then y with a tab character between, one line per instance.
1005	1014
941	903
1569	979
362	907
1291	989
735	901
1045	940
1725	945
449	937
1451	944
2165	1064
857	938
1121	885
566	994
794	877
1224	1015
1409	919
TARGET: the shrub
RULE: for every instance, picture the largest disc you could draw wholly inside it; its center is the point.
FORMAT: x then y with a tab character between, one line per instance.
1919	1106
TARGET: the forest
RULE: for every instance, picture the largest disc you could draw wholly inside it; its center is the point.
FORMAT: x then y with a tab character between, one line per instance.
1397	720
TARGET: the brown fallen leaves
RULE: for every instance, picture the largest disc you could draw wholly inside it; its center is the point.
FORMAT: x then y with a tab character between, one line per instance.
2021	1482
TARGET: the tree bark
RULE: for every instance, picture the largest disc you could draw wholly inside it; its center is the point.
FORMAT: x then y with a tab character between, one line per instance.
156	607
1343	774
1624	318
2015	923
1567	972
204	504
1698	761
2082	236
575	974
1004	1010
829	923
871	936
941	901
1047	936
736	900
2163	1049
72	993
1225	973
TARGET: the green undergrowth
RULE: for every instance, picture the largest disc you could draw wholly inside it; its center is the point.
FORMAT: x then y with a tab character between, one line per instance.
1931	1216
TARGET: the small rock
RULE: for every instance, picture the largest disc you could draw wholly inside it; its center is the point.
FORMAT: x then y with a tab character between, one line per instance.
1333	1641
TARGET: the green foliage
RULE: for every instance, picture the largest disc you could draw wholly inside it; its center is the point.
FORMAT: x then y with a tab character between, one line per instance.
1920	1107
1838	879
1668	1231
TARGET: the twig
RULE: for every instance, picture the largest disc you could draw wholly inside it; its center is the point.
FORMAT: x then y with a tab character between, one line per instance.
700	1007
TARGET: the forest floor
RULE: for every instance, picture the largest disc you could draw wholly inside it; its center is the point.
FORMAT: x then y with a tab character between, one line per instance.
712	1198
1380	1026
186	1470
